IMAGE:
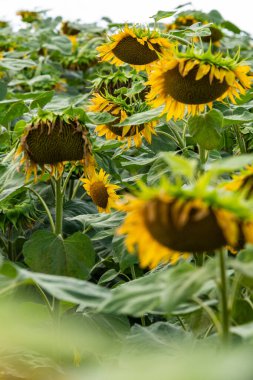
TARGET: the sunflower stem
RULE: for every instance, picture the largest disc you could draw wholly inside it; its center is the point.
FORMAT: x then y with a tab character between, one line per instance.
203	154
240	139
58	206
225	315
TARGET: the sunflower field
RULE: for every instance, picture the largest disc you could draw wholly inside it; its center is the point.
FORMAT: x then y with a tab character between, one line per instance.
126	198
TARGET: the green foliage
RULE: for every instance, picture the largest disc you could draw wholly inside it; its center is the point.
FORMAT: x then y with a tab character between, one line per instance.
50	254
71	294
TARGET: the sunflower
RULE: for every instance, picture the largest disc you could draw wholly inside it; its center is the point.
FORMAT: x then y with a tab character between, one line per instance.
101	191
242	182
28	16
69	29
190	81
187	20
127	133
136	46
164	226
51	141
182	21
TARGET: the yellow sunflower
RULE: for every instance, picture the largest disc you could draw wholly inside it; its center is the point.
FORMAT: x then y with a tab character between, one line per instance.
136	46
53	141
101	191
242	182
164	228
28	16
187	20
182	21
190	81
128	133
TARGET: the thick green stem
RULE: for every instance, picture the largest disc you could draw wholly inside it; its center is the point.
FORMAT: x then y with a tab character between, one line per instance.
202	155
225	317
240	139
58	207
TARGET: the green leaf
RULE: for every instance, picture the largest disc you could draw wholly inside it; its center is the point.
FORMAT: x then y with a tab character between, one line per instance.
207	129
100	118
108	276
161	15
3	90
59	43
158	336
232	27
159	292
244	265
48	253
63	288
230	164
42	99
180	165
16	64
237	116
11	111
142	117
19	127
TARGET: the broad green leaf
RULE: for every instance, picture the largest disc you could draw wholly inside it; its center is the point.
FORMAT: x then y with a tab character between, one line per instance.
230	26
100	118
142	117
108	276
207	129
161	15
159	336
63	288
180	165
42	99
237	116
100	221
3	90
159	292
14	110
16	64
45	252
59	43
230	164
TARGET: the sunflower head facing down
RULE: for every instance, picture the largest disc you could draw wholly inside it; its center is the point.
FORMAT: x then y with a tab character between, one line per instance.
50	141
29	16
113	94
182	22
101	191
192	80
242	182
127	133
186	20
166	225
139	47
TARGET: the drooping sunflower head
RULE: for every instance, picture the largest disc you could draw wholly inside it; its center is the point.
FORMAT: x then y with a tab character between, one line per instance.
182	21
3	24
185	20
52	140
192	80
163	226
101	191
80	59
139	47
69	28
120	110
118	82
215	36
28	16
242	182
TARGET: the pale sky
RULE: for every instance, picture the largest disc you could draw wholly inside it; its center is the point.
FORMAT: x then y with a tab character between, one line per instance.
238	12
